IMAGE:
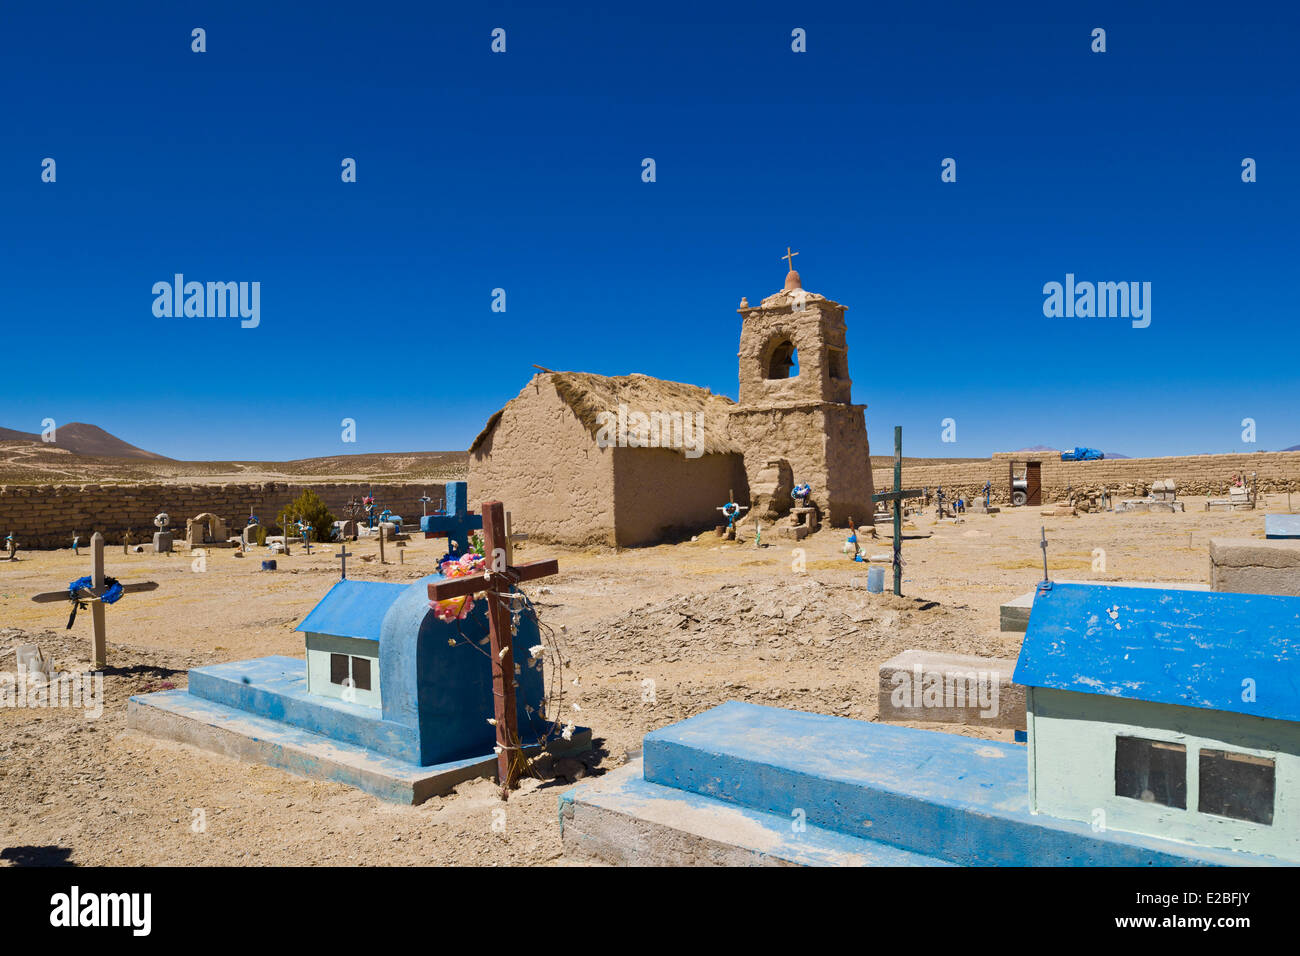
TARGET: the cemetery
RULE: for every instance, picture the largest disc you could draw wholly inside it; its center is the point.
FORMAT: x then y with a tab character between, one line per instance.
758	645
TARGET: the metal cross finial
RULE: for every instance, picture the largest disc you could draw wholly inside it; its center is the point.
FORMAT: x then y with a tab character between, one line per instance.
789	257
1047	581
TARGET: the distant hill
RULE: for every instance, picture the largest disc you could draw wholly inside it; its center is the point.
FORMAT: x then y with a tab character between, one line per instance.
82	439
1115	454
1292	448
1034	448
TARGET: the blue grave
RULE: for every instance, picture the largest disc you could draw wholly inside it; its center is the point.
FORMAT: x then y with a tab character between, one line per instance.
1163	728
1282	526
455	522
389	699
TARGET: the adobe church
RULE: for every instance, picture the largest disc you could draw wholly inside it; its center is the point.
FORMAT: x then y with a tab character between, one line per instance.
629	460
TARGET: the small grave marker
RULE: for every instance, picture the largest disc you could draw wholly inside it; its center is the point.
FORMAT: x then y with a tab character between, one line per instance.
100	587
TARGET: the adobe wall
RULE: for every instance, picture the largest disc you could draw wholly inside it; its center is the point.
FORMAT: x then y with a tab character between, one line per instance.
1123	477
821	441
45	516
661	494
572	500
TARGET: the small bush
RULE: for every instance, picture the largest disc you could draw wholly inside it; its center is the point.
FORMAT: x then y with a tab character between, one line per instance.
309	507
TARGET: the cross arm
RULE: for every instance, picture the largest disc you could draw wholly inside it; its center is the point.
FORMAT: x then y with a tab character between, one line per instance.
88	594
459	587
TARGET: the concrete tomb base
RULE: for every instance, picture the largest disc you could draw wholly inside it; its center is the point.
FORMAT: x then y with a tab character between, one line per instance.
1147	504
162	542
1248	565
210	716
1014	615
1282	526
744	784
951	689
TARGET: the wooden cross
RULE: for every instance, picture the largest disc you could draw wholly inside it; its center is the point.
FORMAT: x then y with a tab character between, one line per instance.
343	555
789	257
897	496
498	581
734	513
99	638
511	538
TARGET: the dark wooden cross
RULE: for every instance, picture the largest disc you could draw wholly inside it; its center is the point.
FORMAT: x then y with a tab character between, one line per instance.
897	496
343	554
498	581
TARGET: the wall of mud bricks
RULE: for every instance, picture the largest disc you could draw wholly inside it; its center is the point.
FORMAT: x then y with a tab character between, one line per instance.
47	516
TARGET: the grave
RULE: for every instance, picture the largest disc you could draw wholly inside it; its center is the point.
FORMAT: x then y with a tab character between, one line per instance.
1253	566
1110	711
1282	526
456	522
206	531
97	589
162	538
1240	498
938	687
1013	616
390	699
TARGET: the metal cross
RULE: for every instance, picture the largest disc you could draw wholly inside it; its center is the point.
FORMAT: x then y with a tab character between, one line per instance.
343	554
1047	581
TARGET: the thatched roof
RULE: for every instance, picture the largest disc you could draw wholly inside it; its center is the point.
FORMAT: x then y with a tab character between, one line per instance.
588	395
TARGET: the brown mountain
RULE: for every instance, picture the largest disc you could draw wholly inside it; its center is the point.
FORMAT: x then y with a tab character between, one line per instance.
82	439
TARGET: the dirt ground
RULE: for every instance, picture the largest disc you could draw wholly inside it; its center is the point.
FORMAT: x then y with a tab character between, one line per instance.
652	635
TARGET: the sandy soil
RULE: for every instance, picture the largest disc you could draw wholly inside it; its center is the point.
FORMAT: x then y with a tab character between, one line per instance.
696	623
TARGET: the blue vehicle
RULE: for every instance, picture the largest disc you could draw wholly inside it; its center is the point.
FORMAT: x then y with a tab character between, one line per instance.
1083	454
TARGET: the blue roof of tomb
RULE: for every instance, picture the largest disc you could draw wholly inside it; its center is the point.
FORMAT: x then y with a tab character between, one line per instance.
1189	648
353	609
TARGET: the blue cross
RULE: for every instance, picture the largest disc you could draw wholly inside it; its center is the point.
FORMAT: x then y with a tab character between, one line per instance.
456	522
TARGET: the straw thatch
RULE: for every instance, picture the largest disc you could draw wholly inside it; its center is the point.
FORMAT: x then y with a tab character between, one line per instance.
588	395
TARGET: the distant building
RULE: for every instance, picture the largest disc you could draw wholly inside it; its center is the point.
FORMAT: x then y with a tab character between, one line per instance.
631	460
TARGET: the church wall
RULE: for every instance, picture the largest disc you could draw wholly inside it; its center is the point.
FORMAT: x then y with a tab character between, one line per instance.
547	469
849	464
659	493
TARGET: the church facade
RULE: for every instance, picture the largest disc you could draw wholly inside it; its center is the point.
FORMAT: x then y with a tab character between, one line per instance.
554	455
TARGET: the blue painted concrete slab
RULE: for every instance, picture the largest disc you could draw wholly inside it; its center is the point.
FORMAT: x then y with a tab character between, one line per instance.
179	715
954	798
353	609
1282	526
1189	648
768	835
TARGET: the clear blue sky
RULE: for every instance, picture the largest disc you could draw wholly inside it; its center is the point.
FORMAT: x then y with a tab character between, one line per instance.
523	171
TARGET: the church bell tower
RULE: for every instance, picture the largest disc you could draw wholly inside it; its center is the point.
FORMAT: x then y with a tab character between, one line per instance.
796	399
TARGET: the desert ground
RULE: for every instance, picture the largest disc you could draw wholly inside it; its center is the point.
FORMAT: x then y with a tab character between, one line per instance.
697	623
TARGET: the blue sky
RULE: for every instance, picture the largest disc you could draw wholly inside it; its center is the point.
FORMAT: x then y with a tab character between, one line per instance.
522	171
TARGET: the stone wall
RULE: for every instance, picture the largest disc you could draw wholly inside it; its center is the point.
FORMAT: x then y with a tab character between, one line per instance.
1122	477
45	516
